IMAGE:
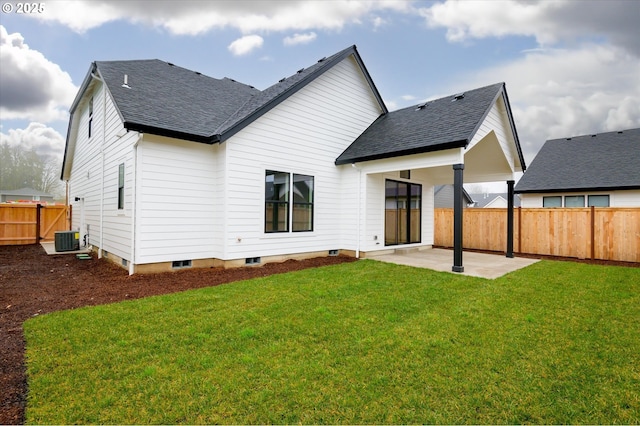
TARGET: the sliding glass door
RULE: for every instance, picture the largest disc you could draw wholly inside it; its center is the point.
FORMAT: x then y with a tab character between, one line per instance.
403	212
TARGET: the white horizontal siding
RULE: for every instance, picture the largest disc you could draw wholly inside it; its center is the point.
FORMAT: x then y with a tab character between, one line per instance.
304	135
375	209
94	175
630	198
177	199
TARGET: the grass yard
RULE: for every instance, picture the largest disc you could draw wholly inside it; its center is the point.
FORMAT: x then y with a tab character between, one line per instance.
363	342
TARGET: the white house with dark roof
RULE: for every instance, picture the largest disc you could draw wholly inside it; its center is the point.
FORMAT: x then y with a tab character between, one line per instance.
601	170
169	168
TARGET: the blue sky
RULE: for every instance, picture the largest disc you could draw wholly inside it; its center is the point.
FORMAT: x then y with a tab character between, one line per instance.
571	67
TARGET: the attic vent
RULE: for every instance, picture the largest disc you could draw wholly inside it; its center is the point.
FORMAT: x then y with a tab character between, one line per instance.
568	139
620	132
280	81
300	70
170	64
421	106
197	72
457	97
593	136
321	60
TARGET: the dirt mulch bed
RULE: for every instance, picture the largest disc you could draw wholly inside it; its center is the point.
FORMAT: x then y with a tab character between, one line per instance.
32	283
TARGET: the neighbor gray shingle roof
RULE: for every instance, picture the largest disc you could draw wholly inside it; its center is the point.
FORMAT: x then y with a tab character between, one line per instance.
591	162
441	124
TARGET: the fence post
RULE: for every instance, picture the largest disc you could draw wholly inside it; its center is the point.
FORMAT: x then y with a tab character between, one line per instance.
593	237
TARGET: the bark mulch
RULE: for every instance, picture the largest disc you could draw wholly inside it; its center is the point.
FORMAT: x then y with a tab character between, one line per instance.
33	283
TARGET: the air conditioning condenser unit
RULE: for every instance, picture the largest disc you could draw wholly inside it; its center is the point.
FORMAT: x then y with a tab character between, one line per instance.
67	240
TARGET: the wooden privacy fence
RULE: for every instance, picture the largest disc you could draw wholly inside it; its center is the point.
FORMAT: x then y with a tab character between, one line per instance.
30	223
606	233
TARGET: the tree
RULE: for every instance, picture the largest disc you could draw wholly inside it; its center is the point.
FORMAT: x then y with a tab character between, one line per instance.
21	168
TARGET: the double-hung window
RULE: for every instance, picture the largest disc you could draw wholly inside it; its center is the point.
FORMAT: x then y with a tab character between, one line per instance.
90	117
288	202
121	186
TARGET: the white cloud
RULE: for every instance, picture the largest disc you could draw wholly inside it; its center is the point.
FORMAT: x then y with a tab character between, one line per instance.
44	140
560	93
191	17
245	45
32	87
548	21
300	39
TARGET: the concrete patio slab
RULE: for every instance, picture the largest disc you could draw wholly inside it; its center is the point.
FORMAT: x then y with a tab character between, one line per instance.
481	265
50	248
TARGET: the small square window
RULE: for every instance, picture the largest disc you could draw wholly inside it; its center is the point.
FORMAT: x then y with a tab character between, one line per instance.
552	201
252	261
574	201
598	201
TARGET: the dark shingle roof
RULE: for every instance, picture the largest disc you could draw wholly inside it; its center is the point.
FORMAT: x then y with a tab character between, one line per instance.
591	162
170	100
440	124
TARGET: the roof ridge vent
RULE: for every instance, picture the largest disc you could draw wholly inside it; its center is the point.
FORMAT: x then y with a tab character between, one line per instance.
457	97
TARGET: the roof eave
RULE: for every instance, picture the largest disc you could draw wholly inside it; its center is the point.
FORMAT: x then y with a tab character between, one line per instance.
421	150
513	128
585	189
159	131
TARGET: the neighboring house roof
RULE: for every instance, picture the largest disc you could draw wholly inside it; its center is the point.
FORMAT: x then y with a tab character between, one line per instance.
443	196
28	192
602	161
486	199
444	123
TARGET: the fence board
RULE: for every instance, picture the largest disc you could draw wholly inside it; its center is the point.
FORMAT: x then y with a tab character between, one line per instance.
18	222
601	233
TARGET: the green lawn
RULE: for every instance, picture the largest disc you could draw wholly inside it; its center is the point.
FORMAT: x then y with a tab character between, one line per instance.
363	342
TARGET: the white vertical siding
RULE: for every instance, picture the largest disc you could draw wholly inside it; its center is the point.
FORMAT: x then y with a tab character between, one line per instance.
178	198
93	174
304	134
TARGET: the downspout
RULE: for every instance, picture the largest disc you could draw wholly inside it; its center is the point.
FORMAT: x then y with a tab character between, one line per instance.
104	140
358	210
134	207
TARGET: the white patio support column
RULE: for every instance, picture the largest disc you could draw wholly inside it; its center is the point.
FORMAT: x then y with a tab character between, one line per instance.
457	217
